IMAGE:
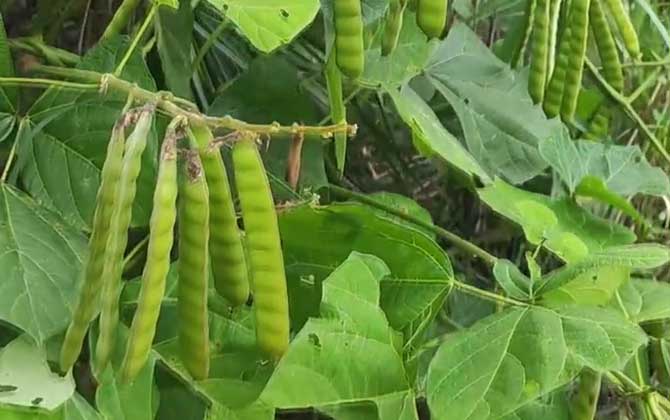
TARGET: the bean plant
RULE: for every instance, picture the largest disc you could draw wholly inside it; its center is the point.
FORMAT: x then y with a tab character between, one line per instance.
335	209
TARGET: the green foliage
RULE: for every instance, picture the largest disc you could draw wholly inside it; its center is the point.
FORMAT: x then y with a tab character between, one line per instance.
42	256
498	259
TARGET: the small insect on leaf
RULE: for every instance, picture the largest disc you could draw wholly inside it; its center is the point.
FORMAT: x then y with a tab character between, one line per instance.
36	401
284	13
8	388
314	339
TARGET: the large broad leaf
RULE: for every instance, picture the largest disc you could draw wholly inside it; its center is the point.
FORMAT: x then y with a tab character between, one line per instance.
60	155
566	229
599	338
623	169
351	340
174	33
132	401
23	366
556	406
501	126
237	373
31	391
405	62
269	24
509	359
644	300
593	287
281	100
636	256
40	258
318	239
431	136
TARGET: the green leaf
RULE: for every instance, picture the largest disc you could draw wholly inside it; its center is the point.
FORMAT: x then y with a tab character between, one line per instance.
405	205
429	134
257	412
405	62
60	156
594	187
394	406
600	338
500	364
131	401
237	374
279	100
594	287
351	340
509	359
635	256
464	57
23	365
501	127
174	34
489	135
644	300
511	279
553	407
411	295
174	4
656	21
575	231
269	24
41	260
623	169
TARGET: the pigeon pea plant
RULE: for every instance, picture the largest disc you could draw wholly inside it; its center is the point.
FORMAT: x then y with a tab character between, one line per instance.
346	209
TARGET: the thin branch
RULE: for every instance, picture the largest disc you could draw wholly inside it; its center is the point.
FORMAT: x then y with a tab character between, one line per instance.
51	54
8	163
628	108
120	19
486	295
211	39
147	20
46	83
167	103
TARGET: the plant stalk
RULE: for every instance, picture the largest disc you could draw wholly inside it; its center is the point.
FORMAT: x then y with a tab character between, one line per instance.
628	108
120	18
168	104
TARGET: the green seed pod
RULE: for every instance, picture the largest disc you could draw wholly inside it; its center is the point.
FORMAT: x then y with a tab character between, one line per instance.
193	269
609	56
392	26
554	18
89	294
554	95
585	400
229	267
266	262
155	271
579	25
338	112
599	124
118	239
626	28
431	17
349	48
528	29
537	77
